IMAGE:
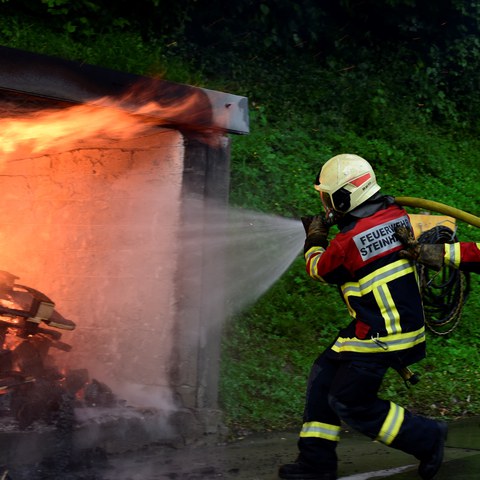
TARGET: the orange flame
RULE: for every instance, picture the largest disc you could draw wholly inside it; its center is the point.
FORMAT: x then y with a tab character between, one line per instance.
112	118
42	131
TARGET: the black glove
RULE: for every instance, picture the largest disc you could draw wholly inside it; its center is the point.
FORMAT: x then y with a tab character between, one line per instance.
306	221
428	254
317	232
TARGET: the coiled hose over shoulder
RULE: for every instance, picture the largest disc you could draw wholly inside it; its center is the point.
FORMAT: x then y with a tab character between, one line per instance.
445	292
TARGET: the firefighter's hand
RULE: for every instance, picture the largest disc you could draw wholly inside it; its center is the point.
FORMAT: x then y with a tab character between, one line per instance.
430	255
306	221
317	233
412	247
318	227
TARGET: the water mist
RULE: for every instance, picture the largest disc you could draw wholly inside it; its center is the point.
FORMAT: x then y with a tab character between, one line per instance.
256	248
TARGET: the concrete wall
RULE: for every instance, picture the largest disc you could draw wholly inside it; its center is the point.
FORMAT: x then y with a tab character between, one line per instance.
95	228
201	275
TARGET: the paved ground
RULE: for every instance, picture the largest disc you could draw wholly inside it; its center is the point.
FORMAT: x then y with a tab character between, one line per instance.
258	457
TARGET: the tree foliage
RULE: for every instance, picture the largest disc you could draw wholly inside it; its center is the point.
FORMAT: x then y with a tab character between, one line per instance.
315	26
440	40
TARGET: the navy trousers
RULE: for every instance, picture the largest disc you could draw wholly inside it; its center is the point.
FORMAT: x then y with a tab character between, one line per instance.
348	391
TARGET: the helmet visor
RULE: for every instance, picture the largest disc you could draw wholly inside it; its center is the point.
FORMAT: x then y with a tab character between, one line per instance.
326	201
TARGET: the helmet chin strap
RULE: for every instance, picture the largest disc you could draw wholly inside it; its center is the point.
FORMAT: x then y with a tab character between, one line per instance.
331	215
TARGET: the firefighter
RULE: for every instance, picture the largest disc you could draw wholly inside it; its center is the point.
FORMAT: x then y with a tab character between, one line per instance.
462	255
387	328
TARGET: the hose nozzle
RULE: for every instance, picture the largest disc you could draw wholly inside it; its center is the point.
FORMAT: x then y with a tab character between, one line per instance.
408	376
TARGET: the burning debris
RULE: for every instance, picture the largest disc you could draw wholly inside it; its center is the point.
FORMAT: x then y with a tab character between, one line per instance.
33	390
30	383
32	387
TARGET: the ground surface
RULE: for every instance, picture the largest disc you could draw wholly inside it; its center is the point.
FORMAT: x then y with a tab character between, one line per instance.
257	457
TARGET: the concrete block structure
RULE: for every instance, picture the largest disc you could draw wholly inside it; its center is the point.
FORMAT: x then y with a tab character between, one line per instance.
106	217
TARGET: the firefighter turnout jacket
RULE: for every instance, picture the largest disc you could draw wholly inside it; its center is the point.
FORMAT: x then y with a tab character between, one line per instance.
463	255
379	288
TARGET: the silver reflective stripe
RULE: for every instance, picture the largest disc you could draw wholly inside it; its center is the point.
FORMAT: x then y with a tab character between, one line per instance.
366	284
394	342
452	254
312	263
321	430
392	424
388	309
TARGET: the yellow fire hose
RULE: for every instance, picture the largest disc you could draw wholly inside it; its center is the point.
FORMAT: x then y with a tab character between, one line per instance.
439	208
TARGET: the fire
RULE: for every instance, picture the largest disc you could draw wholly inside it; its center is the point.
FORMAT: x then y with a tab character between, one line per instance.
29	327
43	131
113	118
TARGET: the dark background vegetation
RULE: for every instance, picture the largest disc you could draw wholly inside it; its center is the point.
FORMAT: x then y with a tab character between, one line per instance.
395	81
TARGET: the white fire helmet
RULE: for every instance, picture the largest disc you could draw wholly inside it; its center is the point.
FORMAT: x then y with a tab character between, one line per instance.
345	182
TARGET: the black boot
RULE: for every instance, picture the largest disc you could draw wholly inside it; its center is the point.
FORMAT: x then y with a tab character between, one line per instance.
303	471
430	465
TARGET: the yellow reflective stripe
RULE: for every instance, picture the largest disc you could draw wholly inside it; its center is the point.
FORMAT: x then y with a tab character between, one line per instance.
392	343
452	255
391	425
316	253
376	282
321	430
378	277
388	309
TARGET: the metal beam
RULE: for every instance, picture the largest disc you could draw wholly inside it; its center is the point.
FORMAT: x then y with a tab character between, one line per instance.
183	106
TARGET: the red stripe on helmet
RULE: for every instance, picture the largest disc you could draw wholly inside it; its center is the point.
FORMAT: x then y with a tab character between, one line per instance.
360	180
